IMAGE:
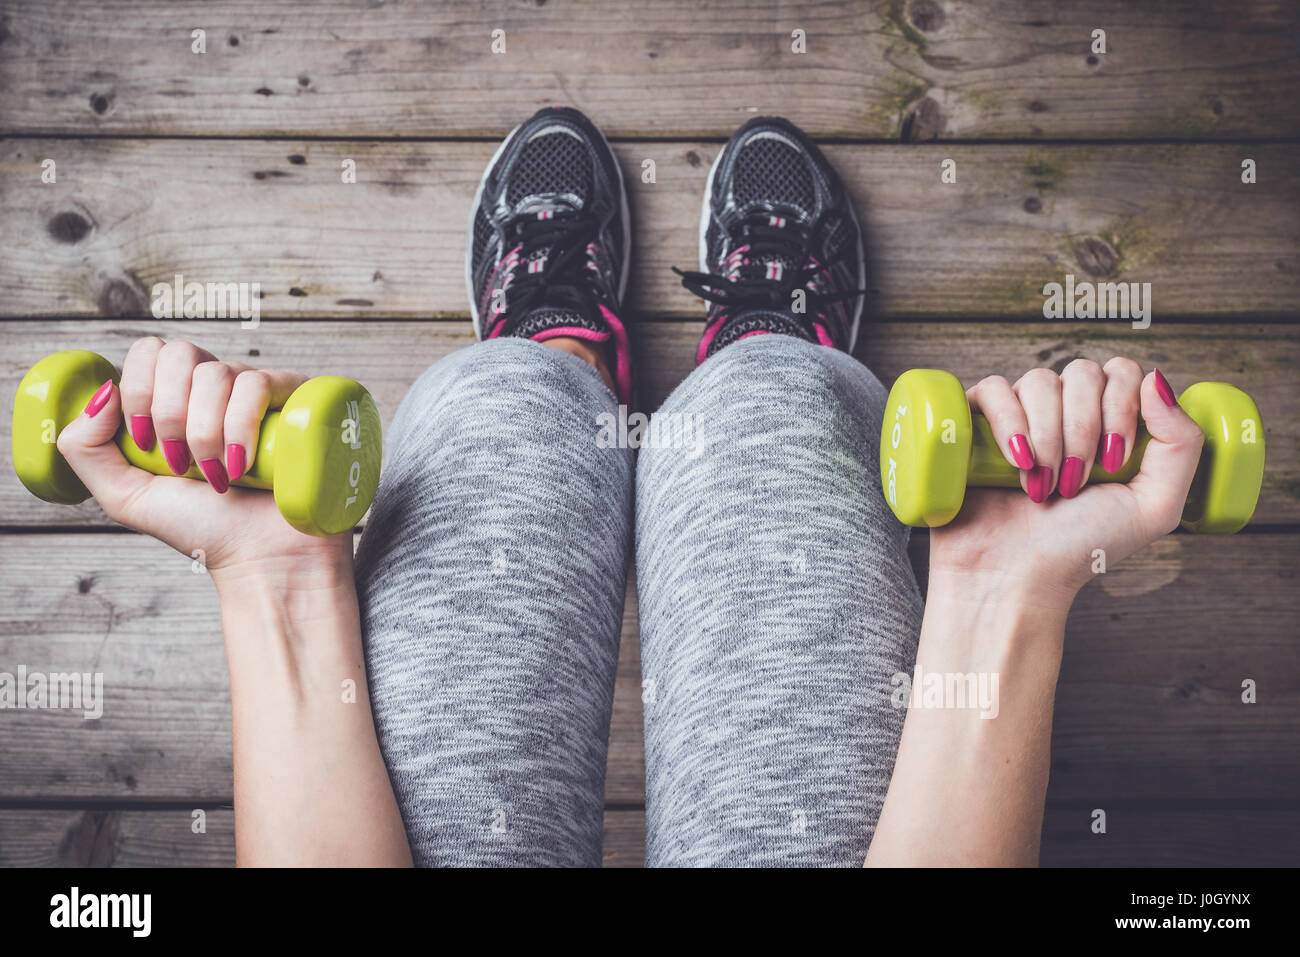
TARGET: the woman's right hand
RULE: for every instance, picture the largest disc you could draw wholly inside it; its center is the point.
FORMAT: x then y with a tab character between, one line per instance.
1045	546
968	791
206	411
310	783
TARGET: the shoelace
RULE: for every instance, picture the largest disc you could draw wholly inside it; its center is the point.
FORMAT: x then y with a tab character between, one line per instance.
793	242
564	282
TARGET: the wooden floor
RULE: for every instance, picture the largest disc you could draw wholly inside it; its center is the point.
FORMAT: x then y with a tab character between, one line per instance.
225	166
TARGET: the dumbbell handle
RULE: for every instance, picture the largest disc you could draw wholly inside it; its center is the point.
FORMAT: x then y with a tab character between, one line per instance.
259	475
989	467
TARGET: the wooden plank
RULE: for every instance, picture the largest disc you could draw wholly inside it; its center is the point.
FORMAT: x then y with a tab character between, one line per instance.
625	766
1148	707
624	839
1171	835
147	621
1197	835
388	356
1157	651
903	68
166	838
37	837
126	215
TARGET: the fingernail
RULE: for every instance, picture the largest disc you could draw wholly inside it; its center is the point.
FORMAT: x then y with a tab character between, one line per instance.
99	399
1162	389
142	432
235	460
177	455
1112	452
215	473
1071	476
1040	483
1024	459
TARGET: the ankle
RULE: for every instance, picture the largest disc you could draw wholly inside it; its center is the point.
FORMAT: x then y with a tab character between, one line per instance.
590	353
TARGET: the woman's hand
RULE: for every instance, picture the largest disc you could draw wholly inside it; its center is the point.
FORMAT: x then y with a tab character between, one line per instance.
310	783
202	411
969	781
1041	545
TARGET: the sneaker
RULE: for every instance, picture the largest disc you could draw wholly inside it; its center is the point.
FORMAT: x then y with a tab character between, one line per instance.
777	219
549	239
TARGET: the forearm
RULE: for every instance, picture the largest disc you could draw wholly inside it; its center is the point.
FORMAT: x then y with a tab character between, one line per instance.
968	788
310	783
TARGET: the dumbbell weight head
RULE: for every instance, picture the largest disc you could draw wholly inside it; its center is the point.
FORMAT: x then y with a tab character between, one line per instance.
925	447
1230	474
52	394
932	448
320	454
327	448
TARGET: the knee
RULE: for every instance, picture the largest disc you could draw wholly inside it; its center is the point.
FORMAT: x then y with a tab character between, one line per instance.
500	377
772	381
490	366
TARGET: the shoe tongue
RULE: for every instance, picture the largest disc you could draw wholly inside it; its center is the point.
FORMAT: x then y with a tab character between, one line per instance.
746	264
544	207
540	209
764	266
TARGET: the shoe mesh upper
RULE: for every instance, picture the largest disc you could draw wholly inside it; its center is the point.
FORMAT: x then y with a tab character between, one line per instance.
549	164
483	236
769	171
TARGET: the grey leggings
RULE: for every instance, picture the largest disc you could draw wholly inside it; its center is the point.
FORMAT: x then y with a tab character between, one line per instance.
776	603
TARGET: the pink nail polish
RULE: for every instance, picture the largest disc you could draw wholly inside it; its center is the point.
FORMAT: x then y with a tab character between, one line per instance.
1112	452
99	399
215	473
1019	445
177	455
1071	476
235	460
1162	389
142	432
1040	483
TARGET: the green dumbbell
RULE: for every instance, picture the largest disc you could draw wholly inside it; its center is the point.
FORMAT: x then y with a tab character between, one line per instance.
932	448
319	454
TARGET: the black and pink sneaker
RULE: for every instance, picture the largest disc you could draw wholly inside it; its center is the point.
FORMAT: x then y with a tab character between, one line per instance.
780	246
550	239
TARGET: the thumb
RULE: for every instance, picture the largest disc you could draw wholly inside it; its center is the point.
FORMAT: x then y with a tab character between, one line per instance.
1171	456
87	445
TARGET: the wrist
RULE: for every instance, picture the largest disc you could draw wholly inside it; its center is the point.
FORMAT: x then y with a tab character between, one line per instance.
283	599
997	592
319	569
989	616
